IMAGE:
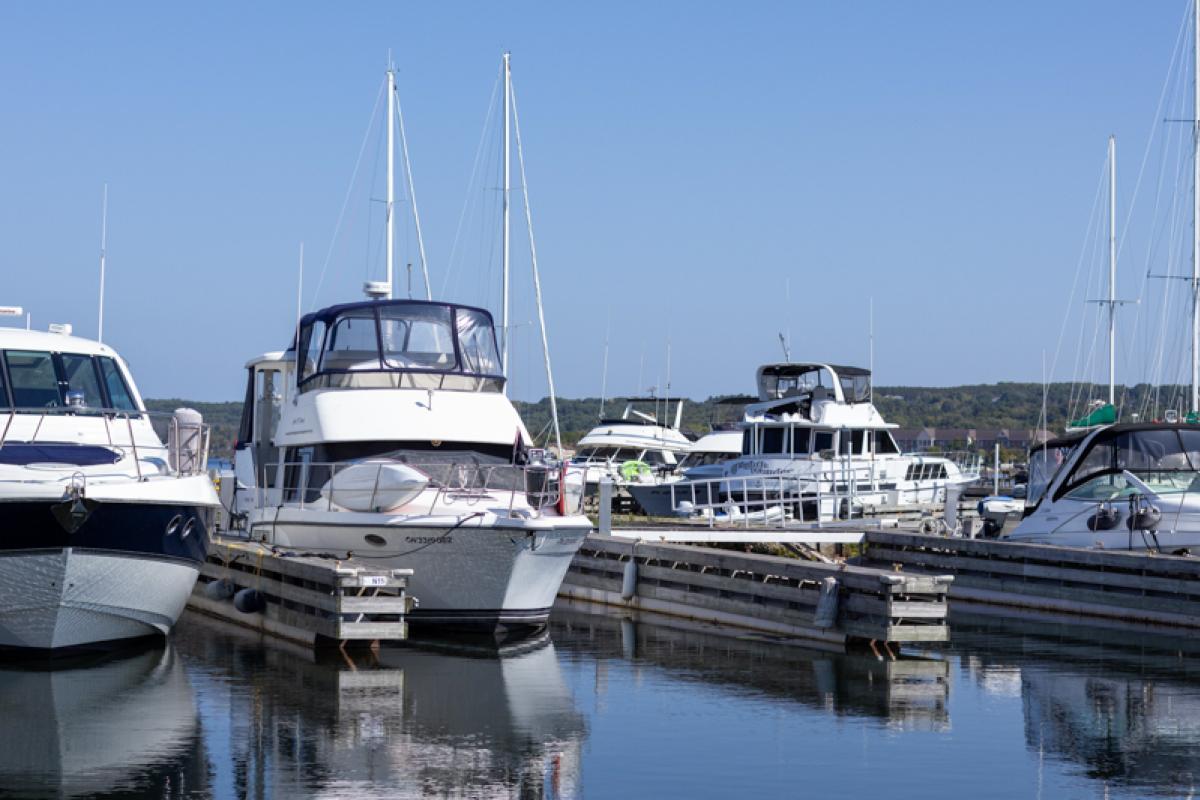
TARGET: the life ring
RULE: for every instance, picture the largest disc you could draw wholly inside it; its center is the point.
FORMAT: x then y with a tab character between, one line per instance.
635	470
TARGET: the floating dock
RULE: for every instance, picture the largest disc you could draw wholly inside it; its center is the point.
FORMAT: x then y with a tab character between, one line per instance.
1120	586
305	599
832	603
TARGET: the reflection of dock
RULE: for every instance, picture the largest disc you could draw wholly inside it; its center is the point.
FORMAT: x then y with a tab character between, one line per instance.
403	721
908	692
303	599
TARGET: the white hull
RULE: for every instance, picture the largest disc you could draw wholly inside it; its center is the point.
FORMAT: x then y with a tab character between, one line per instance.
477	576
70	598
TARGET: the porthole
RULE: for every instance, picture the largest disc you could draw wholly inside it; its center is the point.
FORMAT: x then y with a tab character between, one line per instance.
375	539
188	528
173	525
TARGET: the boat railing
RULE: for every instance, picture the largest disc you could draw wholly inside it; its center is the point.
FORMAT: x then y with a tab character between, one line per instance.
177	448
770	501
313	485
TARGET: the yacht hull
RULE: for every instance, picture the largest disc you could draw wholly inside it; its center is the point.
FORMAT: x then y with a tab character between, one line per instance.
476	578
64	598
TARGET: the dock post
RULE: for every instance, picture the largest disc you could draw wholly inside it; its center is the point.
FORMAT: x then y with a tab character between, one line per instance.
996	471
606	493
827	604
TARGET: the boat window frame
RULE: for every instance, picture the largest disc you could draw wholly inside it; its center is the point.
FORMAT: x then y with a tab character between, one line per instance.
305	382
62	384
1068	483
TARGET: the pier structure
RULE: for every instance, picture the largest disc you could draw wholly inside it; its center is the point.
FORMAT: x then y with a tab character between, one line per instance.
1131	587
832	603
306	599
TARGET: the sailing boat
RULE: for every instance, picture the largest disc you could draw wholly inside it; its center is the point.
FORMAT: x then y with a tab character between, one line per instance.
385	431
1127	485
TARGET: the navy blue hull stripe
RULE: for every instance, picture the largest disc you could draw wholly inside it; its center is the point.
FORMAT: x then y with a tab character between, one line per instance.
138	529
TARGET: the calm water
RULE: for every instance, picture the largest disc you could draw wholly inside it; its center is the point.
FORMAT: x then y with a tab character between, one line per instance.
605	707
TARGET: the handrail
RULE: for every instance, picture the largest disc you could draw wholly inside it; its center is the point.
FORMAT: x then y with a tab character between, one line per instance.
152	449
541	484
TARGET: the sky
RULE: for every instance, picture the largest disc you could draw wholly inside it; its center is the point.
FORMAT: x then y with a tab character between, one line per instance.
703	177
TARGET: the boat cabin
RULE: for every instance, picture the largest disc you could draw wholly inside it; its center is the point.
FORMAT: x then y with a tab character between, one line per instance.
398	344
814	382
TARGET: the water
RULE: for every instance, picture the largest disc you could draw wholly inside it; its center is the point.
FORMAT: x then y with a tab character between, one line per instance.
605	707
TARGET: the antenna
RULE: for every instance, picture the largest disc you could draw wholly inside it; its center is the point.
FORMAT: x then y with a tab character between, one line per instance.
787	352
604	372
103	255
299	301
412	196
391	176
1196	209
871	347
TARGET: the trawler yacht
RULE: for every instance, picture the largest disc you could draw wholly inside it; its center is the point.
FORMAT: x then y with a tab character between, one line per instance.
634	447
105	525
385	432
816	438
1120	486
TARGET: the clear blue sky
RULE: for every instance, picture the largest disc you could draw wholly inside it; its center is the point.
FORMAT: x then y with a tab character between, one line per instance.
691	166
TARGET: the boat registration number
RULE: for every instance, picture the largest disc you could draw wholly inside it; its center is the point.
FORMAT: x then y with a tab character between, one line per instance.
372	580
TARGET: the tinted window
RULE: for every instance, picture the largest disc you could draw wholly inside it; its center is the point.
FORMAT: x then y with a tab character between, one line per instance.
884	443
311	342
351	343
822	440
34	380
747	440
772	441
81	377
3	390
800	438
119	396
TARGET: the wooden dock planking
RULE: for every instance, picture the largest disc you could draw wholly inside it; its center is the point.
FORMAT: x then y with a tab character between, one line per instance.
759	592
308	599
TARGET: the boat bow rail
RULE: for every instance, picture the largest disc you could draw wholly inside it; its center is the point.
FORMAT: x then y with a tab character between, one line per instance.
381	485
156	444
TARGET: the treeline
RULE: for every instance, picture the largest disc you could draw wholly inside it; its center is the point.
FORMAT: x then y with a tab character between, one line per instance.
1000	405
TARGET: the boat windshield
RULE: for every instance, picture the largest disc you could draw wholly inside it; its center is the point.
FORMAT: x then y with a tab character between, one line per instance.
1164	459
778	382
399	344
42	382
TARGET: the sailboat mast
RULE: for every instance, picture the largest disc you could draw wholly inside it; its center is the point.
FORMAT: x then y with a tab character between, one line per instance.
504	228
391	172
1112	270
1196	208
103	257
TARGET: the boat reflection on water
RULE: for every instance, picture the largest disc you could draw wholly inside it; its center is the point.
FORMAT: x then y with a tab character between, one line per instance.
119	724
905	692
1120	707
408	721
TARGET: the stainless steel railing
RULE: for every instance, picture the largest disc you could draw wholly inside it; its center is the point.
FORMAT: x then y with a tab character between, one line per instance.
313	485
176	448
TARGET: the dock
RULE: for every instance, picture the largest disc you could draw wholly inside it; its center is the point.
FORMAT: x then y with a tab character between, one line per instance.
303	599
1119	587
831	603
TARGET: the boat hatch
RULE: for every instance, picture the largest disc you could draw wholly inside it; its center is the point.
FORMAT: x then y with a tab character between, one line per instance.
81	455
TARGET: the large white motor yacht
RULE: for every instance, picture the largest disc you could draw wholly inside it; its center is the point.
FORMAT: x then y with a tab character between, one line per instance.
104	523
385	432
1120	486
816	437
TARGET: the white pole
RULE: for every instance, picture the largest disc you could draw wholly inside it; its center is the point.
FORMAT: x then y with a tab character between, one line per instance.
412	196
391	178
537	282
103	256
1112	270
871	347
504	227
604	372
996	472
1196	208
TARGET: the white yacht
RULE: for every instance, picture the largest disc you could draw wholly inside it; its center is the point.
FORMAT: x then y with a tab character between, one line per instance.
385	432
1121	486
816	437
634	448
105	525
705	460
